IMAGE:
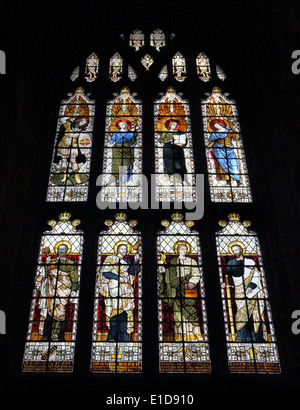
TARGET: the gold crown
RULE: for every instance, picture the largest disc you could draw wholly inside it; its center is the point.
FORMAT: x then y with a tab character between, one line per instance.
79	90
177	217
125	90
233	217
64	216
170	90
120	216
216	90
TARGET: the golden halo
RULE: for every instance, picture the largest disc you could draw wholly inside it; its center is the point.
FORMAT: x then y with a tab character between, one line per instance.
122	243
239	243
63	243
182	243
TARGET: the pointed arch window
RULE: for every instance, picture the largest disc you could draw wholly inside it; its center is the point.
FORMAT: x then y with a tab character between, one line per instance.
117	329
51	336
251	342
183	336
226	161
122	156
174	162
179	67
203	67
92	67
70	167
116	67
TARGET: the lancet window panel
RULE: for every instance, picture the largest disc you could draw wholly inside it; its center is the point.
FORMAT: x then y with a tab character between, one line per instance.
174	157
52	328
203	67
117	329
225	156
92	68
122	155
183	333
250	332
71	159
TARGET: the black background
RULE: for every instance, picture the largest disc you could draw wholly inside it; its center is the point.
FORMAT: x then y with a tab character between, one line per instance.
253	42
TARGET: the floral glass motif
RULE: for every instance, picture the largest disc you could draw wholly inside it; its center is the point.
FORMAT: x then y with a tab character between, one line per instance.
250	334
117	329
220	73
174	163
136	39
203	67
92	68
226	162
52	328
147	61
179	67
122	157
69	173
163	74
157	39
183	335
115	67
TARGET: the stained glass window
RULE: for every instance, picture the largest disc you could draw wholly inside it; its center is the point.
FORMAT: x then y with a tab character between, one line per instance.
163	74
92	67
137	39
117	329
131	73
183	336
122	163
220	73
115	67
147	61
179	67
250	333
75	73
174	163
226	162
203	67
157	39
51	335
69	173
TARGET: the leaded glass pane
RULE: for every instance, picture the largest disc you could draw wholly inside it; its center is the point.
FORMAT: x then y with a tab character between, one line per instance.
70	168
92	68
179	67
250	334
157	39
117	328
226	161
183	335
51	335
203	67
174	163
115	67
137	39
122	163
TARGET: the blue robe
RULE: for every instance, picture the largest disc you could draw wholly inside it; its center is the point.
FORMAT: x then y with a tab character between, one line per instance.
225	155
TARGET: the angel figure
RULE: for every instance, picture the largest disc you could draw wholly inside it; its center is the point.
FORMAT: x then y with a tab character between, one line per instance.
172	127
222	152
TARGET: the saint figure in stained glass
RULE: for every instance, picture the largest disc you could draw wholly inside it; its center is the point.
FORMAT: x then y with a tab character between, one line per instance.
116	281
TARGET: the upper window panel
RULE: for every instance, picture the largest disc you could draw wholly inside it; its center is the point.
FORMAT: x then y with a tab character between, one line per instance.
250	334
226	162
203	67
157	39
70	168
115	67
92	67
137	39
179	67
174	162
122	156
